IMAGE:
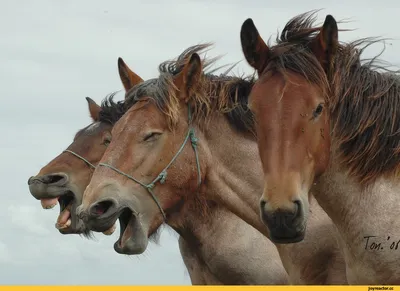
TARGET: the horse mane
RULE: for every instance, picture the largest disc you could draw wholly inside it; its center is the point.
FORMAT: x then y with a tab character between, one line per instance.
223	93
363	97
111	111
291	52
366	114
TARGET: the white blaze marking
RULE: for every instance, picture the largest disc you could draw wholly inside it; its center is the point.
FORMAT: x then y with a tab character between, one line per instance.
93	126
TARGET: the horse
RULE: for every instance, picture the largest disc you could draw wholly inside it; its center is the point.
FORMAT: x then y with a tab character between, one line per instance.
329	127
63	180
187	138
210	248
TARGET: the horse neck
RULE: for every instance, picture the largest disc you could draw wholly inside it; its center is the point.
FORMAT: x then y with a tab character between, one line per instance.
354	209
208	251
198	237
358	213
196	266
234	174
234	179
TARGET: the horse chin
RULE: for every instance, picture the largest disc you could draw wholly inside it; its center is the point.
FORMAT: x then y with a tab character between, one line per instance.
133	238
295	237
286	240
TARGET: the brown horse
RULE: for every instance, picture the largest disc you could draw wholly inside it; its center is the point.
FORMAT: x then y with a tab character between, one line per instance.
210	248
328	124
63	180
187	144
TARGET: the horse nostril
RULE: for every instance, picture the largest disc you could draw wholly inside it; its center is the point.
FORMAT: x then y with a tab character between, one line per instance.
58	179
53	179
102	207
263	208
297	209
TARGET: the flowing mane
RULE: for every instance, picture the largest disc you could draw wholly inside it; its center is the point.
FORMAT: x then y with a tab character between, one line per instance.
363	98
111	111
217	93
222	93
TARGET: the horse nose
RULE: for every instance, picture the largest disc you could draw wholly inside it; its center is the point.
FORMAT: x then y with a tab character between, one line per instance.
283	224
56	179
103	208
48	186
30	180
280	217
99	216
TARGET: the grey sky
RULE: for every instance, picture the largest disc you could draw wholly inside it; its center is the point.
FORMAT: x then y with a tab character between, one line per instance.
54	53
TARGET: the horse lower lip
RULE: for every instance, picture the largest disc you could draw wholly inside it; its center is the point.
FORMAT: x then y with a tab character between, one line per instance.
287	240
133	237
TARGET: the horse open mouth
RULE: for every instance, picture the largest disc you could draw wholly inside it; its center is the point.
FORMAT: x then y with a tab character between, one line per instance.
64	219
133	237
68	221
126	219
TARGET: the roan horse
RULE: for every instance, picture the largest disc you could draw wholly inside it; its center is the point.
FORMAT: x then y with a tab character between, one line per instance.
329	125
210	248
187	141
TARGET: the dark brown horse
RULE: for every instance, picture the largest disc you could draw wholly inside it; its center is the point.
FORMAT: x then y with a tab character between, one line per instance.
187	145
63	180
328	124
210	247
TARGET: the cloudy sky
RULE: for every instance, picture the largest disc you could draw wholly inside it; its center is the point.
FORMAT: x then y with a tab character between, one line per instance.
54	53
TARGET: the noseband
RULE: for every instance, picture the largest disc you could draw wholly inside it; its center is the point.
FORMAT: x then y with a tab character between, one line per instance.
81	158
163	175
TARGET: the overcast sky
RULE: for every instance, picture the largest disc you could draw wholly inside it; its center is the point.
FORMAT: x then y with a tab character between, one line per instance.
55	53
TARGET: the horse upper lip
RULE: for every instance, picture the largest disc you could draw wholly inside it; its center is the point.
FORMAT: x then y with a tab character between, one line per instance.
100	224
31	180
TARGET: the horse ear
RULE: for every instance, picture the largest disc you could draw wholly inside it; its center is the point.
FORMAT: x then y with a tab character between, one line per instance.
189	78
326	42
128	78
94	109
254	48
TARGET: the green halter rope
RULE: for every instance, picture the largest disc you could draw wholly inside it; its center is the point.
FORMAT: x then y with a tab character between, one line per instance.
163	175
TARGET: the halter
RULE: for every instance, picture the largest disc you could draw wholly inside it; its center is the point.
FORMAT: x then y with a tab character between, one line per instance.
163	175
81	158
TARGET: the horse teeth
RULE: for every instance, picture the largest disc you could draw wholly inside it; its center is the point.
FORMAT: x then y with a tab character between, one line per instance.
48	203
65	225
68	223
49	206
110	231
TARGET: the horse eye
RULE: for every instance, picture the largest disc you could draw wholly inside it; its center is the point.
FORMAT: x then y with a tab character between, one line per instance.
318	110
151	136
106	140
